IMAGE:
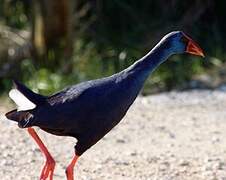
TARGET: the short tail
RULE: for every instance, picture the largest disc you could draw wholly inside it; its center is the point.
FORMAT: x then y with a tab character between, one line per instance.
26	100
24	118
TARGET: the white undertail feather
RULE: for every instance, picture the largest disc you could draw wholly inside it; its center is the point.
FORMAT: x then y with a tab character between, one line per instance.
21	101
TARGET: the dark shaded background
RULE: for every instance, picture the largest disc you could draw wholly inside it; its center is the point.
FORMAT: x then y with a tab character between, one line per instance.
49	44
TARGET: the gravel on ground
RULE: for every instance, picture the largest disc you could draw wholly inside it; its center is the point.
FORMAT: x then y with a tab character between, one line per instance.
168	136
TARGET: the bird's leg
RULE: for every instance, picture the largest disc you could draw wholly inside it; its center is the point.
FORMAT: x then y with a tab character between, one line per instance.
70	168
48	168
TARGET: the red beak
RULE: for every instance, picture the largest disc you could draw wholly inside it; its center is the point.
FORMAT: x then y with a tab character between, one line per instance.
193	47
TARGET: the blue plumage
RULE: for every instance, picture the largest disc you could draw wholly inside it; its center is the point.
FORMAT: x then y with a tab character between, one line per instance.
87	111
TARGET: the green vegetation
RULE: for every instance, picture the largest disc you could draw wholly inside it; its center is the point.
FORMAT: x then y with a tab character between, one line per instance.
101	37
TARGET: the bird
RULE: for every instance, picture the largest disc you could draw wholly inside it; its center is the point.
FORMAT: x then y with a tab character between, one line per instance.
89	110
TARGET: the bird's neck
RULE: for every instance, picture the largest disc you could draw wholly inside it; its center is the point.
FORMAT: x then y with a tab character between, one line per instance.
147	64
131	80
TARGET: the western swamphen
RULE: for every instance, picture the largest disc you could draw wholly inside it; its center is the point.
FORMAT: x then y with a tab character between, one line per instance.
89	110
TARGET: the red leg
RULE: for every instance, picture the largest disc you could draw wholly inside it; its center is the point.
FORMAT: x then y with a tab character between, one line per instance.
70	168
48	168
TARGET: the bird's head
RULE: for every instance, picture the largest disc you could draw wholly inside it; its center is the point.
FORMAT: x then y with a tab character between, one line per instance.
179	42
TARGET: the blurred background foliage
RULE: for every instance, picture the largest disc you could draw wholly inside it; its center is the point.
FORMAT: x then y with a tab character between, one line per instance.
49	44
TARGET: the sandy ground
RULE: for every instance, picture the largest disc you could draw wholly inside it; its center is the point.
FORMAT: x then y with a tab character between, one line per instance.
167	136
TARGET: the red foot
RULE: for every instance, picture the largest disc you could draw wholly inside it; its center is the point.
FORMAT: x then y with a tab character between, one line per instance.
70	168
48	169
70	173
49	166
